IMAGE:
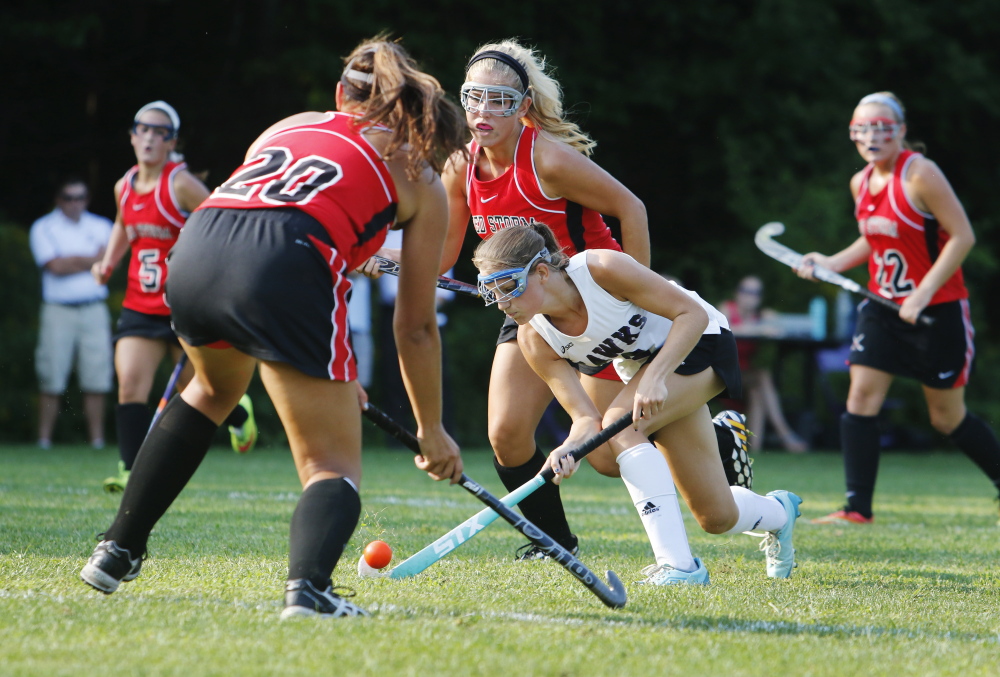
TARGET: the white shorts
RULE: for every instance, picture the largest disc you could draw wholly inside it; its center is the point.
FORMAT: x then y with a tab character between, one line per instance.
74	334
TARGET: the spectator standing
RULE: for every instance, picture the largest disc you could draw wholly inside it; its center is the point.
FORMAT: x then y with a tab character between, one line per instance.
75	328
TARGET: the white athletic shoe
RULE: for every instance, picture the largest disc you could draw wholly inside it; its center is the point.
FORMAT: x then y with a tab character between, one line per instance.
664	574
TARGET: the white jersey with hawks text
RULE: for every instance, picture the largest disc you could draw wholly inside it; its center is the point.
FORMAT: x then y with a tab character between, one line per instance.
617	331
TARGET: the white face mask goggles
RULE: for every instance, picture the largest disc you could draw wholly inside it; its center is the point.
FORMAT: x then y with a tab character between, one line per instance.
873	130
492	99
507	284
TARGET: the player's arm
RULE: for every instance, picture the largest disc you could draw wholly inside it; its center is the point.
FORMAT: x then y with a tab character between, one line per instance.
931	192
564	383
418	342
567	173
459	213
625	279
190	191
117	243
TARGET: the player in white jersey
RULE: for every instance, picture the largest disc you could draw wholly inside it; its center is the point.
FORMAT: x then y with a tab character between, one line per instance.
673	351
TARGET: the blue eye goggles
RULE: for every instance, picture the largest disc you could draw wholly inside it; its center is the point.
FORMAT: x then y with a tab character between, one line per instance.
507	284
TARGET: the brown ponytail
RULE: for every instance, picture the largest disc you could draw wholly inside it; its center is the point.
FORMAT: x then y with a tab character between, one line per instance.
408	101
513	247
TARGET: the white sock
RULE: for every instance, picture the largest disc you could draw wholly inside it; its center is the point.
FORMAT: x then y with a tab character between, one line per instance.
757	512
649	482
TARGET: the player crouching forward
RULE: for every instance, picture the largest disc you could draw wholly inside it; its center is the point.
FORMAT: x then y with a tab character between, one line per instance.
673	351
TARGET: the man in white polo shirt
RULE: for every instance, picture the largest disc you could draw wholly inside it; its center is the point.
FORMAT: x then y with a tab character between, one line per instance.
75	322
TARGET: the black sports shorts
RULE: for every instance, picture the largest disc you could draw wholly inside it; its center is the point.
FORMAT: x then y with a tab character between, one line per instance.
253	278
144	325
717	351
939	356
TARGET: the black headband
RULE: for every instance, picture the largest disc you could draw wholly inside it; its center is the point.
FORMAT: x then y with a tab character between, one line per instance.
507	59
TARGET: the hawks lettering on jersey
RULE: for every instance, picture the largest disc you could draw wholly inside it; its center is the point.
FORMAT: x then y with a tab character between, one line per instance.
905	241
615	345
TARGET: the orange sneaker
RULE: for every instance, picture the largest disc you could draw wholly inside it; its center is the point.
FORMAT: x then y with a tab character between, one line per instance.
843	515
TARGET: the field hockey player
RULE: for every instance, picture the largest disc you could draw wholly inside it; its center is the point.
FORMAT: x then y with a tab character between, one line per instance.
673	351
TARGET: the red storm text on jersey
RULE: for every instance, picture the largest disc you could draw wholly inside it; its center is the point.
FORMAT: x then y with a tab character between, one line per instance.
328	170
516	198
905	241
152	222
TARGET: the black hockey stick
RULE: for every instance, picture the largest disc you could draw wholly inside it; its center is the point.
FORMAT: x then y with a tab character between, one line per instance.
392	267
461	534
764	239
611	594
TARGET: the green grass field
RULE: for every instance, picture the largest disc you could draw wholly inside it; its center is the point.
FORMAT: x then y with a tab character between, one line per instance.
918	593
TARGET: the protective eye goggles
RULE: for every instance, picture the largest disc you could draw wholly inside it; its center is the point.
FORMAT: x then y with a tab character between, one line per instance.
881	128
165	132
508	284
493	99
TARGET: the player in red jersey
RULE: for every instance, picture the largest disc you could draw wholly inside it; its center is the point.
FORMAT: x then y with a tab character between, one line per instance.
154	200
915	236
527	163
259	274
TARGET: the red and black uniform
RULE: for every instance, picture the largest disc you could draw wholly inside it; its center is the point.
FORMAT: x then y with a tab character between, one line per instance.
905	243
152	223
275	242
516	198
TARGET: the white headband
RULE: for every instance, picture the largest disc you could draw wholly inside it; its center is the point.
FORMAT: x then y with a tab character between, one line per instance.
358	75
163	107
885	101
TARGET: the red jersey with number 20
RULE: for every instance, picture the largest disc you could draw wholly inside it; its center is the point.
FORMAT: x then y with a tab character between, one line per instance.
328	170
152	223
905	241
516	198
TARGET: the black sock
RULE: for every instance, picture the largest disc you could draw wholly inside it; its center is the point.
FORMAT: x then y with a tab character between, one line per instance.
860	444
132	420
173	450
322	524
978	442
543	508
237	417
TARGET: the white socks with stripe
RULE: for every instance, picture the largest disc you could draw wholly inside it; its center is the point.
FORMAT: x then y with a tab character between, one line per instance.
649	482
757	512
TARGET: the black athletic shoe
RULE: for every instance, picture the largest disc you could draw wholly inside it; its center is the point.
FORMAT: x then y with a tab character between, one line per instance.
302	598
530	552
108	566
731	432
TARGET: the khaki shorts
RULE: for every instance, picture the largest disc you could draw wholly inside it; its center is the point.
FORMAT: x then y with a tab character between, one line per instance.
74	334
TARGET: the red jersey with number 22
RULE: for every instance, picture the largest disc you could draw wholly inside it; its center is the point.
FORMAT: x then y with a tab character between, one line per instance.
516	198
152	222
329	170
905	241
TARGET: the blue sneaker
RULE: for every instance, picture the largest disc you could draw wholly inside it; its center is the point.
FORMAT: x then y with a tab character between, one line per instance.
777	545
664	574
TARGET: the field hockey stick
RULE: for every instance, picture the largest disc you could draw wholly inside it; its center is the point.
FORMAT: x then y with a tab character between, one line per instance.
764	239
437	550
611	594
392	267
169	391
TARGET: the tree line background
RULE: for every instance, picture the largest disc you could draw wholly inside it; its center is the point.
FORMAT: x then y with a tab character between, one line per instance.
719	115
